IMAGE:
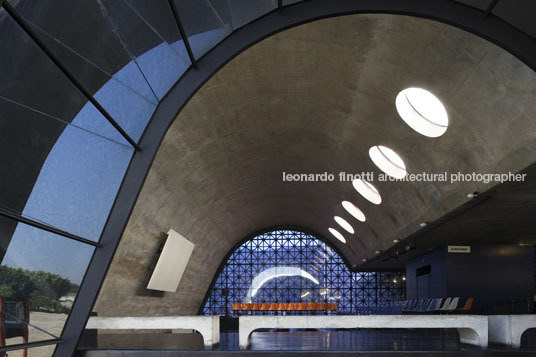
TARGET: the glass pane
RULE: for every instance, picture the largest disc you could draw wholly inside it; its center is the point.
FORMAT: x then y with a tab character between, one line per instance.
245	11
42	351
205	22
158	15
479	4
130	106
87	33
30	79
162	64
520	15
59	174
288	2
42	272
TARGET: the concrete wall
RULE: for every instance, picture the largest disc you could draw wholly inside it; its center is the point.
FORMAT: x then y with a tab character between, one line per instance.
311	99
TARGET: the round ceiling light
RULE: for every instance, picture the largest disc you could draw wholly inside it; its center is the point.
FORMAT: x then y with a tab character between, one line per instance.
344	224
337	235
422	111
354	211
388	161
368	191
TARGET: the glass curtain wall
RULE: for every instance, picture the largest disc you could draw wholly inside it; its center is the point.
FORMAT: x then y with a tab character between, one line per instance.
62	160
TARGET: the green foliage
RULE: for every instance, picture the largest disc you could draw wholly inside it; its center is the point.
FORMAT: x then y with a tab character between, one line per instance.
42	288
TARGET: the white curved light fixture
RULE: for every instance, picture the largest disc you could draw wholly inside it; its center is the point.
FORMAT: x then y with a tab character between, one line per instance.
354	211
276	272
422	111
369	192
388	161
337	235
344	224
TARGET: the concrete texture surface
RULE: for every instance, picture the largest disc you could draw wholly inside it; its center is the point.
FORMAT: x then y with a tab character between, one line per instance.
207	326
311	99
508	329
473	329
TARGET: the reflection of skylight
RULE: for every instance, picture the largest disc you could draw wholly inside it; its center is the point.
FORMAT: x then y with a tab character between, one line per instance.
368	191
422	111
276	272
388	161
344	224
354	211
337	235
324	255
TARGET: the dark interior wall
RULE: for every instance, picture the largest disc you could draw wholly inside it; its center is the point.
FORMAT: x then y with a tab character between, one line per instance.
499	277
426	285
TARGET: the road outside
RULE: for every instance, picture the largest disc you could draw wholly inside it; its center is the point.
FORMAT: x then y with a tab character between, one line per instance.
50	322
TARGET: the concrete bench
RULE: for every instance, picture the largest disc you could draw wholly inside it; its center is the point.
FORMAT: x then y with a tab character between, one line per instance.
508	329
207	326
473	329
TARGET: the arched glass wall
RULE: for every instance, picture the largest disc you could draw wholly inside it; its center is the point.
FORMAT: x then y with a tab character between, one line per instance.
290	266
62	159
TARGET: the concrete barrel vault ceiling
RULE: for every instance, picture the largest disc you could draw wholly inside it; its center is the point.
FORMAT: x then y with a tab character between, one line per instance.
311	99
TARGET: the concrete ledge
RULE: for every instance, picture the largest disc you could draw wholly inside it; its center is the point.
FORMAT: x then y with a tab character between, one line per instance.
473	329
207	326
508	329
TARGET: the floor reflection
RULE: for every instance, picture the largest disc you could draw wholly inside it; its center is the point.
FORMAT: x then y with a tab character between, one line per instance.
302	340
350	340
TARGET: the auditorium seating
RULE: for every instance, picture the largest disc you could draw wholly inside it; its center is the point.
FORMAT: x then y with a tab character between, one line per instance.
281	307
447	305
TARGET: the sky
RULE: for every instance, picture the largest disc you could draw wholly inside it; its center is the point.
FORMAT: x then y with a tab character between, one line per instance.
80	178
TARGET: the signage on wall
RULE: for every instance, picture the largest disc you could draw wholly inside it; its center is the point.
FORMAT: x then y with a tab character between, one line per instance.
172	262
459	249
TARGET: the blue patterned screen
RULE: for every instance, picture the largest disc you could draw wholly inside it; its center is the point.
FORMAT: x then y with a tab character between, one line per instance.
286	266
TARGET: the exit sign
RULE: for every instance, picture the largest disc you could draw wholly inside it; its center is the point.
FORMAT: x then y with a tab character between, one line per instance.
459	249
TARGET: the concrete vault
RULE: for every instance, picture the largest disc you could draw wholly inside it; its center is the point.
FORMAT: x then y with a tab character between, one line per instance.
314	99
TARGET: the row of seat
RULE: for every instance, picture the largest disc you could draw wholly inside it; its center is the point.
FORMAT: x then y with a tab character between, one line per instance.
309	306
421	306
437	305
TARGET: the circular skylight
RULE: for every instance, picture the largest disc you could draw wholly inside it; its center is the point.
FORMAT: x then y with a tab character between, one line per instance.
388	161
354	211
422	111
337	235
368	191
344	224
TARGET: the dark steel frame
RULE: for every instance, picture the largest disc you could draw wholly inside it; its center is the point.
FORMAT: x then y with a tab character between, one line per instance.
483	24
18	346
47	228
175	12
50	54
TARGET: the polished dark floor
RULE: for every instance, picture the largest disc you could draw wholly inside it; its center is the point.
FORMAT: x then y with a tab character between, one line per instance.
349	340
364	340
